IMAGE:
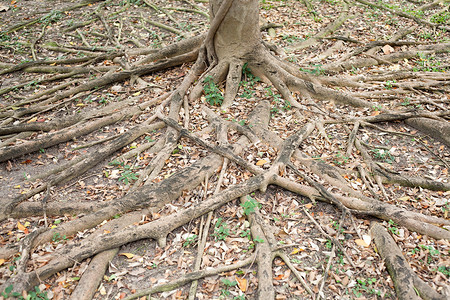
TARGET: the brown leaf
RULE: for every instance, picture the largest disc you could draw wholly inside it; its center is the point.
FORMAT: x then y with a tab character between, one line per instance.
128	255
242	283
261	162
9	166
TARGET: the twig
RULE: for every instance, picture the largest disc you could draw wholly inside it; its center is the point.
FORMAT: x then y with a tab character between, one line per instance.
184	279
335	241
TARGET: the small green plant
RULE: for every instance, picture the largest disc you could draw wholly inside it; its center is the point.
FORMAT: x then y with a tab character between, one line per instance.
228	284
377	107
341	159
441	18
258	240
53	16
246	234
36	294
127	176
384	155
57	237
248	82
393	227
213	94
290	39
286	105
431	251
444	270
316	70
406	102
365	285
249	205
221	232
428	63
190	240
149	139
389	84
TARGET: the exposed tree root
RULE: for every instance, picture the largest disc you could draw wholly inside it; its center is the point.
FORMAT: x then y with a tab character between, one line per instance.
291	168
407	284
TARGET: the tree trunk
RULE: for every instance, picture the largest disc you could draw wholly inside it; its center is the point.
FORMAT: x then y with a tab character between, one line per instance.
238	34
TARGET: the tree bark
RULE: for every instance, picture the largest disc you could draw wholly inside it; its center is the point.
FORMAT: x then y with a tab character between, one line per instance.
239	33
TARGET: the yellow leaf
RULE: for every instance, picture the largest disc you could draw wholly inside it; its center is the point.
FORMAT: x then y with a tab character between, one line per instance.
360	242
308	206
261	162
128	255
32	120
406	198
26	224
106	231
2	261
137	94
297	250
367	239
102	291
21	227
17	186
242	283
80	104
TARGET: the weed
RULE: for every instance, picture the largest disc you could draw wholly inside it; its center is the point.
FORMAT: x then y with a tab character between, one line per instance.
249	81
127	176
444	270
389	83
57	237
52	17
365	285
384	155
290	39
228	284
149	139
221	232
213	94
177	149
259	240
393	227
36	294
406	102
377	107
190	240
316	70
249	205
246	234
341	159
286	105
428	63
441	18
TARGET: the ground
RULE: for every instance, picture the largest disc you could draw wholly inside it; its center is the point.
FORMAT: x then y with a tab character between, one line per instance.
394	63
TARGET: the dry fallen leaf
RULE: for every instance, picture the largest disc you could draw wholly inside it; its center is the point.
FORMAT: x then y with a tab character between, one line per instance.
128	255
297	250
360	242
21	227
242	283
261	162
